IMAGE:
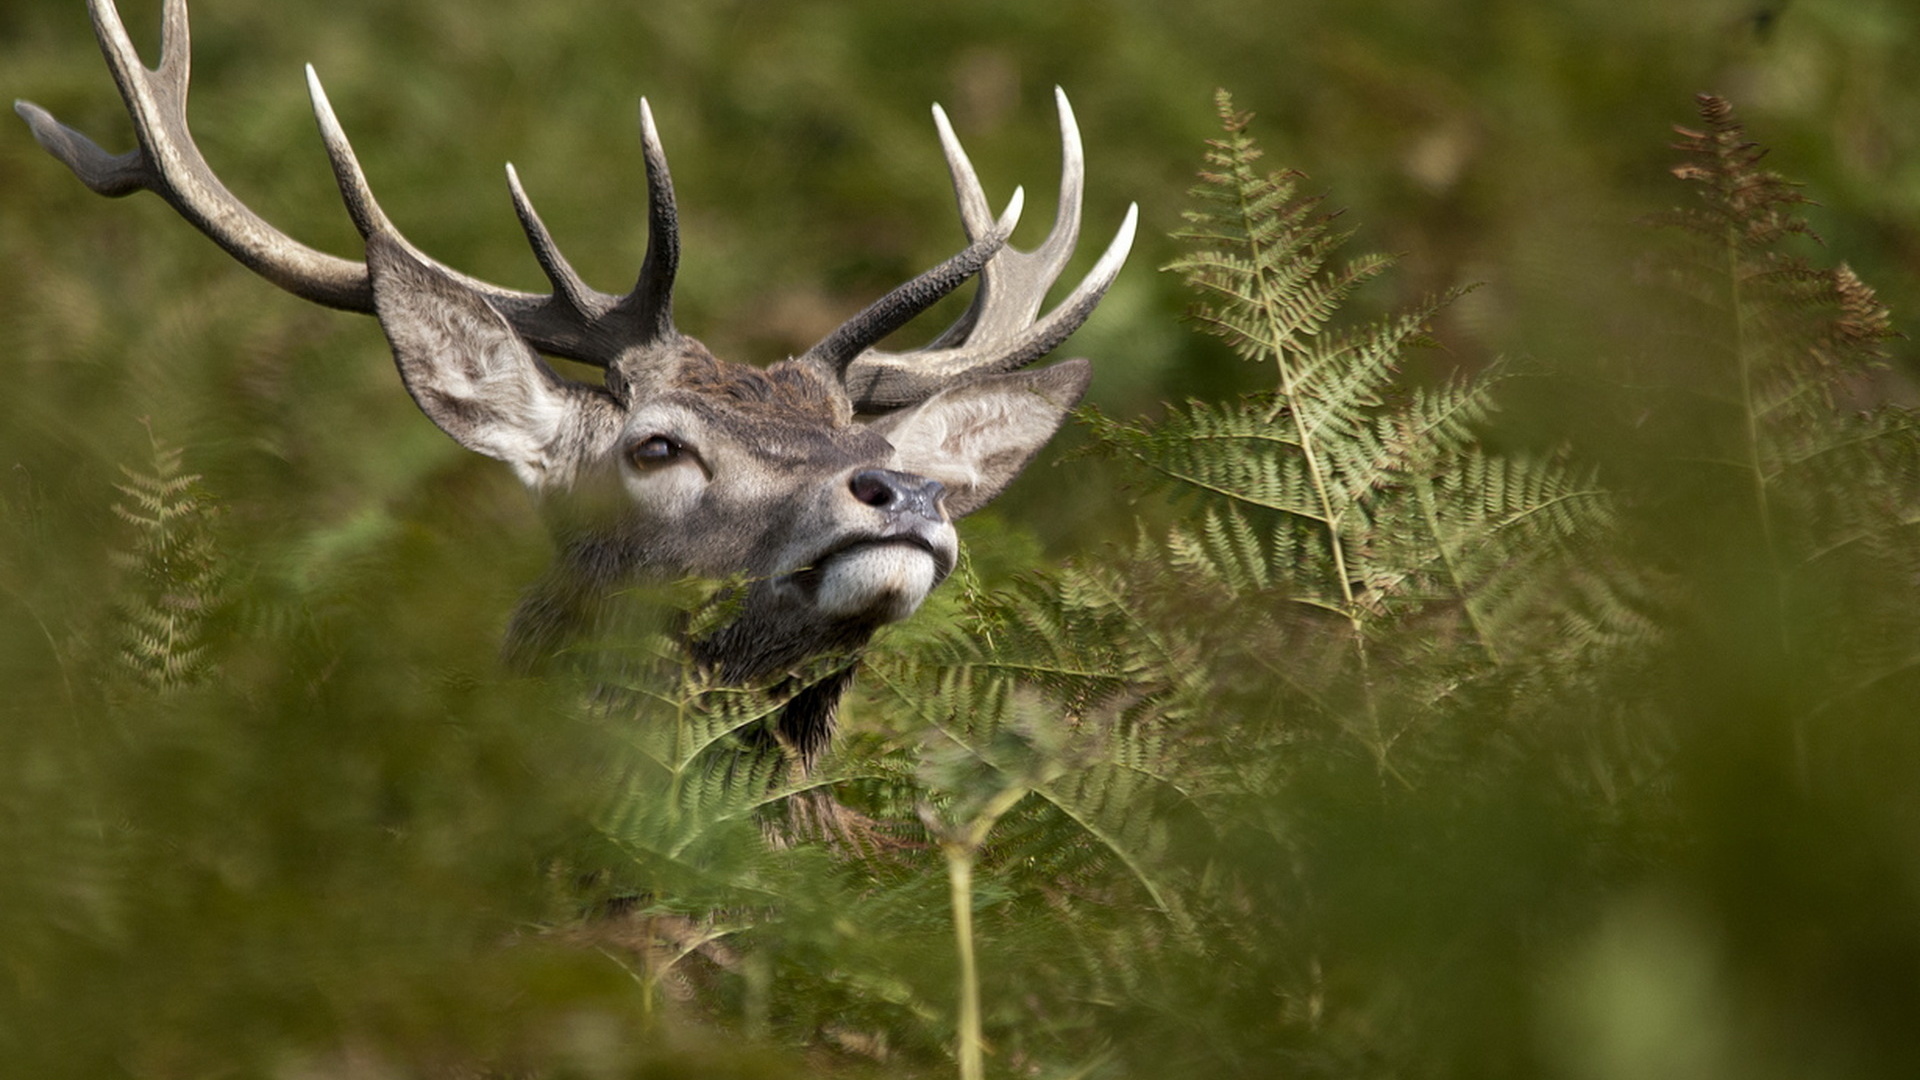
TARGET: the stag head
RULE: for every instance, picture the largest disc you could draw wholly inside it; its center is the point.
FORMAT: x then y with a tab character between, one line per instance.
830	480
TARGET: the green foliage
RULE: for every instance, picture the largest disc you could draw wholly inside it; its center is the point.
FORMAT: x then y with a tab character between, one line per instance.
174	591
1526	719
1343	494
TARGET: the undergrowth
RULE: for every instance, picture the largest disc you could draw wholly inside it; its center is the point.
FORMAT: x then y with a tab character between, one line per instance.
1406	751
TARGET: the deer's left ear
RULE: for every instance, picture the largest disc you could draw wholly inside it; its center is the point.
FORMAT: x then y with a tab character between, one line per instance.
976	438
469	372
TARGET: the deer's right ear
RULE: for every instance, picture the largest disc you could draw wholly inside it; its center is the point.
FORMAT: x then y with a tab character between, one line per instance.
466	368
976	437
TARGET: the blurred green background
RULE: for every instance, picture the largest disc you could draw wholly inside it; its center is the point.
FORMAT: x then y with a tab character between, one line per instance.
1499	141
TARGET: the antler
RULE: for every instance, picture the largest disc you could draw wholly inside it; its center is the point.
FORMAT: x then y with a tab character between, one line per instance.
574	321
1000	331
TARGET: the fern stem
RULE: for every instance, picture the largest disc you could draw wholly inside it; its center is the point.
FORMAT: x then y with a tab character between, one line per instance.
1430	513
1230	494
960	892
1743	361
1285	355
1317	473
1334	541
1284	350
961	844
676	782
1763	507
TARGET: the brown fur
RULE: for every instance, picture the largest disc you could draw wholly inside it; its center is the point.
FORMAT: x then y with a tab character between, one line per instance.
788	392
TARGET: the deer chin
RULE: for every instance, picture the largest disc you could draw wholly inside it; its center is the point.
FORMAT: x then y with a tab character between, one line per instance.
883	582
875	579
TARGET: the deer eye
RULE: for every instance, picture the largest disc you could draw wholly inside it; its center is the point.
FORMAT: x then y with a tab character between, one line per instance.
654	451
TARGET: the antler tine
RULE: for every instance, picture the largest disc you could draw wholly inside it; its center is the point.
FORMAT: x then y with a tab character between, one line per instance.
646	314
642	316
176	41
567	283
999	332
650	305
576	321
354	190
856	336
976	216
1014	282
112	175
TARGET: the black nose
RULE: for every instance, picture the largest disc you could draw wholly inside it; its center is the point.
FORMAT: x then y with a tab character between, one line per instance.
898	492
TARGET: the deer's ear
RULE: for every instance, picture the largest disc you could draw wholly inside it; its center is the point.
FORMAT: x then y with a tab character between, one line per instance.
976	438
467	369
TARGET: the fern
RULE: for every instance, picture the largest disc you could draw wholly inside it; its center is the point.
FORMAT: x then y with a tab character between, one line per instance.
1789	343
1786	336
1082	731
173	571
1260	262
703	765
1337	494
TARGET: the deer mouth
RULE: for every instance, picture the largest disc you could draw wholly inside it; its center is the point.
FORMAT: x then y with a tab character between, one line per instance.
879	578
942	561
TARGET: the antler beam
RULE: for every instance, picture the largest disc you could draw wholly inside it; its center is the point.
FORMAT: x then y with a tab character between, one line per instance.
168	163
574	322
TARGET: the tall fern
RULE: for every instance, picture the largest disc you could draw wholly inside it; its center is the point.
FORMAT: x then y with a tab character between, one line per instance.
1260	260
1340	492
1780	358
172	570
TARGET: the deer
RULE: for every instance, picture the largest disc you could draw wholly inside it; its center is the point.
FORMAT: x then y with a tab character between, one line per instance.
829	481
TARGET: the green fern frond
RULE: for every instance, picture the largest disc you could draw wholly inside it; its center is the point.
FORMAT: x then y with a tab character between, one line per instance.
1312	452
1343	377
1226	549
1338	492
1098	808
1233	452
173	575
1258	255
1064	693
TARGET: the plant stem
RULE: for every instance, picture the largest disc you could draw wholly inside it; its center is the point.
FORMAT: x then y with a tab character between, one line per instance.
1762	503
1430	512
961	844
960	889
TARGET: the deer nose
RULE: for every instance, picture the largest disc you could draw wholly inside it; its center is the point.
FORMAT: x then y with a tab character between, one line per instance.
898	492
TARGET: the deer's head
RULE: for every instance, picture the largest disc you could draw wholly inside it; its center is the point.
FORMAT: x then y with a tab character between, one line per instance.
831	479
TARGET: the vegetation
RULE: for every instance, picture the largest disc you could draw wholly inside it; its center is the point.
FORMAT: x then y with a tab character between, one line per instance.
1382	709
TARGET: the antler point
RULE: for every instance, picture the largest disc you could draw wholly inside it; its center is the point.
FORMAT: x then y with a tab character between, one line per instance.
1127	226
1012	216
948	139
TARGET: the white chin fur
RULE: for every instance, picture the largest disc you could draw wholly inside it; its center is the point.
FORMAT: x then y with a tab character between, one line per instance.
886	582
